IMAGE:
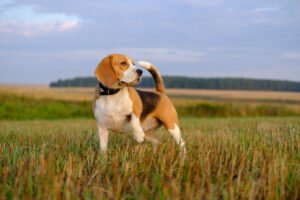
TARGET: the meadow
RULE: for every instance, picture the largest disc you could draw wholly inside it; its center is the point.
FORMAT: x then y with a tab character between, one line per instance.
49	149
42	102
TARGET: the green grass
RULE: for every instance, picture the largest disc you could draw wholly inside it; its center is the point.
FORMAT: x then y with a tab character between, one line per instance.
49	150
17	107
227	158
21	107
235	109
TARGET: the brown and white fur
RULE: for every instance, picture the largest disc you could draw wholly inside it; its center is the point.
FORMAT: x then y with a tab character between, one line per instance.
133	110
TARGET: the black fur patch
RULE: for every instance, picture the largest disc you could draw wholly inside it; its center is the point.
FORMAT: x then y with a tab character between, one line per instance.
149	100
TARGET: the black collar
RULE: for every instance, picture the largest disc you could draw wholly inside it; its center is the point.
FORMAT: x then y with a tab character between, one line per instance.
107	91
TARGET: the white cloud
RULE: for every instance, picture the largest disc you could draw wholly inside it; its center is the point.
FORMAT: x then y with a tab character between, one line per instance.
67	25
31	29
25	20
291	55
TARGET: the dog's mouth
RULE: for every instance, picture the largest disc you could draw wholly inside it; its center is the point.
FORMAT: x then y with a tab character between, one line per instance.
132	83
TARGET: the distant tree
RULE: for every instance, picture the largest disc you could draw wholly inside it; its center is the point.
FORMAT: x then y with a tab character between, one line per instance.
195	83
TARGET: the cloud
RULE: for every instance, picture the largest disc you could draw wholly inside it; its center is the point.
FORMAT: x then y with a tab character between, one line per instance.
149	54
215	48
266	9
275	16
25	20
206	3
31	29
163	54
4	28
291	55
3	3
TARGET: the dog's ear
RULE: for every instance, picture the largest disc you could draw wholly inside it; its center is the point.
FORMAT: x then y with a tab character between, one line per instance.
105	72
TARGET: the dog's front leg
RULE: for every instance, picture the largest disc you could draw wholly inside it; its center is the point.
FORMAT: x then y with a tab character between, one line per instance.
136	128
103	138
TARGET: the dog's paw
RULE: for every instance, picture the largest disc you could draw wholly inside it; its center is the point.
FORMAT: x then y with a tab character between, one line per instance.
139	138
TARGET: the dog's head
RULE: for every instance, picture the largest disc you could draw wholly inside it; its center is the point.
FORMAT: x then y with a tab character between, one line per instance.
116	71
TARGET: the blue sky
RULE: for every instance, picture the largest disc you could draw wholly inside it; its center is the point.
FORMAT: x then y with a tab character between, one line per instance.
42	41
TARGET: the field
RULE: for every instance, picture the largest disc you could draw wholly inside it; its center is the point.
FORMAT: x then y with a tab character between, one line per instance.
42	102
48	153
87	94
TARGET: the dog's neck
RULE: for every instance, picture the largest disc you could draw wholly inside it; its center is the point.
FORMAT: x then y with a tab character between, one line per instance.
107	91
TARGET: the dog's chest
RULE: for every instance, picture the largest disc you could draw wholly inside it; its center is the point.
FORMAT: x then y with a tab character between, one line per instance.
112	111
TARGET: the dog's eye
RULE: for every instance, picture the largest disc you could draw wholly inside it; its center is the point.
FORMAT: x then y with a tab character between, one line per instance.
123	63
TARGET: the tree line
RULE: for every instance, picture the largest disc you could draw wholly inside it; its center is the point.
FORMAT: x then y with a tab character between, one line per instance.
195	83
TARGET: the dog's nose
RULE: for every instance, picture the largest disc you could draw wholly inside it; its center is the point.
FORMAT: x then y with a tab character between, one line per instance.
140	72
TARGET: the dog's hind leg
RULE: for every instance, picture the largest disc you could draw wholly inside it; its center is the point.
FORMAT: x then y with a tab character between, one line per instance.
176	134
168	116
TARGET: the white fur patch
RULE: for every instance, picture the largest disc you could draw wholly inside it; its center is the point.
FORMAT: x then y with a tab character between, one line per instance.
103	137
111	111
145	64
177	136
137	130
130	75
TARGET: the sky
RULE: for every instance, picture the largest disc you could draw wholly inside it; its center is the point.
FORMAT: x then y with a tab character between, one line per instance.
43	41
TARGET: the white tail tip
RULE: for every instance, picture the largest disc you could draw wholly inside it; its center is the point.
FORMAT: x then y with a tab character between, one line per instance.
145	64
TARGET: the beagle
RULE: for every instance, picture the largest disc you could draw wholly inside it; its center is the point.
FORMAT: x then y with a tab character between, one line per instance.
118	107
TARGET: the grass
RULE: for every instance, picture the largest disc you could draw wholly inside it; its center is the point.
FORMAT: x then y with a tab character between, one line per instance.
212	109
20	107
227	158
49	148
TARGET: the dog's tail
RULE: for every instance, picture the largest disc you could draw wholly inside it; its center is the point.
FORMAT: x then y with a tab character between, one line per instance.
160	86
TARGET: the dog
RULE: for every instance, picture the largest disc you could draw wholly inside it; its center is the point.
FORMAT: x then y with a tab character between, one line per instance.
120	108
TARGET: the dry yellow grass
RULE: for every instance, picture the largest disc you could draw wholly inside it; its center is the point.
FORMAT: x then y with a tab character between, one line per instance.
238	94
44	91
